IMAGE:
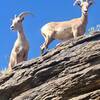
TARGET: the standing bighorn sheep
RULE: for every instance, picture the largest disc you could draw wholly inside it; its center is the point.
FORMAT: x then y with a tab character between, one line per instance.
21	47
67	29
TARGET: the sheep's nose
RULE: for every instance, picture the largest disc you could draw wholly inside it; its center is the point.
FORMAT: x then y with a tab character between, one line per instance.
85	10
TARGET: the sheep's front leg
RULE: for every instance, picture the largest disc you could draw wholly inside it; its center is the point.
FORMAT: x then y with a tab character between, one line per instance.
11	64
9	70
48	40
75	32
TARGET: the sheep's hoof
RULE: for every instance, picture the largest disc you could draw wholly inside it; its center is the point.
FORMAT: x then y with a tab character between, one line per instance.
42	51
8	71
45	52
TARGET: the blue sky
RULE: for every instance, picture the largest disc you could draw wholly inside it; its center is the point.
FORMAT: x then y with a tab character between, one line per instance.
44	11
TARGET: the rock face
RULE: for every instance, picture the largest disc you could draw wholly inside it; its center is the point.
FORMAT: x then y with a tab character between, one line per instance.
70	71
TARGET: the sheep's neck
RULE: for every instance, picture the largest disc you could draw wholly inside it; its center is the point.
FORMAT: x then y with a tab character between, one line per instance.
84	19
21	35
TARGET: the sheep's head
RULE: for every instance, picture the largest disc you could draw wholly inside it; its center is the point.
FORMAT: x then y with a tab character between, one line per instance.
84	4
17	21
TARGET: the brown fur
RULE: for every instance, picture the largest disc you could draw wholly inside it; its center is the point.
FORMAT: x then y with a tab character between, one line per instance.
65	30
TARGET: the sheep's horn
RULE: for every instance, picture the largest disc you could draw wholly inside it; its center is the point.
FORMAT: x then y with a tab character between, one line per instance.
23	14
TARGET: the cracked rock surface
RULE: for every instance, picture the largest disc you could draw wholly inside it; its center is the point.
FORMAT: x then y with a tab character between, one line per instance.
70	71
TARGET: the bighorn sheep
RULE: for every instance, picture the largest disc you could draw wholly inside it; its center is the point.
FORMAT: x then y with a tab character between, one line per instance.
67	29
21	47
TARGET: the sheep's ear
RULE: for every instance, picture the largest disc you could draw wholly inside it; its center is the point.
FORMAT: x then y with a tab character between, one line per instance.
91	2
22	19
77	2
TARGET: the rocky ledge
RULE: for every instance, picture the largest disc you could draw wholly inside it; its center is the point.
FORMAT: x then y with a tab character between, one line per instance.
70	71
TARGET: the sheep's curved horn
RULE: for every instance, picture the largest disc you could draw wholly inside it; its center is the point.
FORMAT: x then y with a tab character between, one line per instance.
23	14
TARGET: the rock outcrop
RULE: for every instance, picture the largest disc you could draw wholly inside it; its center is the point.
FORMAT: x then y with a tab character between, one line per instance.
70	71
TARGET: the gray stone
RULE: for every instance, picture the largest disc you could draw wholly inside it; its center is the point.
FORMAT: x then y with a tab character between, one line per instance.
70	71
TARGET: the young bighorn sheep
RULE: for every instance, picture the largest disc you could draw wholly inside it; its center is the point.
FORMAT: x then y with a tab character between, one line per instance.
21	47
67	29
